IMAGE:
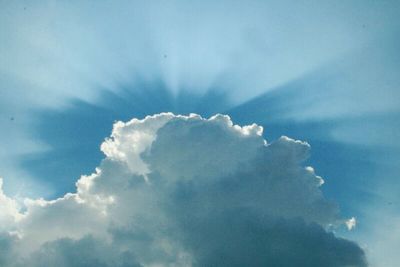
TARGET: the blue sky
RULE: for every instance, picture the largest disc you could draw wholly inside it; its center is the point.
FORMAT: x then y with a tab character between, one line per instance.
322	72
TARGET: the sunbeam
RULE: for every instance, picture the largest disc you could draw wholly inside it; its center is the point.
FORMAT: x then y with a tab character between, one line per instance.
73	72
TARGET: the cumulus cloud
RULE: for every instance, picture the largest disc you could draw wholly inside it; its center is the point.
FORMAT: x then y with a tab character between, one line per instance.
9	210
184	191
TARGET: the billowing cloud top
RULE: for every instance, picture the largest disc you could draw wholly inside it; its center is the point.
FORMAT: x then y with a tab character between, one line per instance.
183	191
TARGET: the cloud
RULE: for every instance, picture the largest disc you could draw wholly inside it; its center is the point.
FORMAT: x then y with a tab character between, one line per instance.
75	50
80	253
9	210
351	223
185	191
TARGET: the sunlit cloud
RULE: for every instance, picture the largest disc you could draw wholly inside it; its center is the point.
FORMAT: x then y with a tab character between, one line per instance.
172	191
323	72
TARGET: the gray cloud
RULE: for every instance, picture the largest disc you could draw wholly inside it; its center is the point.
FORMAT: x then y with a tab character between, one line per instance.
6	246
185	191
84	252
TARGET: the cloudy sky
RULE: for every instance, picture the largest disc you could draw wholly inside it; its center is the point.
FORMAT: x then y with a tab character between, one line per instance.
112	152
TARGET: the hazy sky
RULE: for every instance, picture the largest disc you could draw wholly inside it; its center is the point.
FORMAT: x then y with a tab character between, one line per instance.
324	72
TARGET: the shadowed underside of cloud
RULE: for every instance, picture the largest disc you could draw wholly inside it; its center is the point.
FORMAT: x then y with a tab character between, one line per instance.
184	191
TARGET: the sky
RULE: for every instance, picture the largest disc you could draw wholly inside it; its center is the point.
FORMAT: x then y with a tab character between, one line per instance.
89	169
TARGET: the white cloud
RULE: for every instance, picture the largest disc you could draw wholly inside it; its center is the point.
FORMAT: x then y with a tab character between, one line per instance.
74	49
185	191
351	223
9	214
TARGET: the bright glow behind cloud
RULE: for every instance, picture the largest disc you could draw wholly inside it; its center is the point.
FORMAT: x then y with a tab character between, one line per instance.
54	51
185	191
